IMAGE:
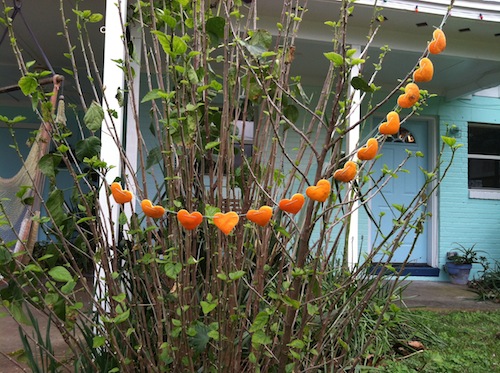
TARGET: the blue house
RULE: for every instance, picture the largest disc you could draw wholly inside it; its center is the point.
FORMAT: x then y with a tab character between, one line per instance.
466	208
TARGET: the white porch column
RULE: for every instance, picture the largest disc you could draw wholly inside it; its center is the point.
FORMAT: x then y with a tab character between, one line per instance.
112	129
352	140
132	144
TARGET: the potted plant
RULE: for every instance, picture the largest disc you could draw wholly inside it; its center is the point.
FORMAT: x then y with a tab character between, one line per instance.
460	261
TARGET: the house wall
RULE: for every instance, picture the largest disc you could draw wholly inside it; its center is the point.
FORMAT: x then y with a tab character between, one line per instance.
464	219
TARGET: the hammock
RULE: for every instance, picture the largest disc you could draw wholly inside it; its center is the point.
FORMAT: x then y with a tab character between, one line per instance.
21	226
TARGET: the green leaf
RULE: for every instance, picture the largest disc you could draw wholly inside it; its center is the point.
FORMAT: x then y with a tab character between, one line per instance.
48	164
54	205
260	321
153	158
28	84
312	309
156	94
450	141
236	275
261	38
98	341
291	112
172	269
260	338
336	58
297	343
360	84
207	307
215	28
122	317
60	274
174	46
88	147
95	17
212	144
120	297
200	340
93	117
68	287
291	302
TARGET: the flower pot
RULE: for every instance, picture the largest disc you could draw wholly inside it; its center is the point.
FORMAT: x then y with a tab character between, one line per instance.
459	273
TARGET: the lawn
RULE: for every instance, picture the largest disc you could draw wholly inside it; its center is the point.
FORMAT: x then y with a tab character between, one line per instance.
467	342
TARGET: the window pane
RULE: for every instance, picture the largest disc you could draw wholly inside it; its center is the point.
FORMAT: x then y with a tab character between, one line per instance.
484	173
484	139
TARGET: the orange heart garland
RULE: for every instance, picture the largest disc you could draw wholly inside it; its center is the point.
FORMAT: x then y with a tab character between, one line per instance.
226	222
189	220
292	205
347	173
425	72
370	150
410	97
154	212
390	127
120	195
320	191
438	43
260	216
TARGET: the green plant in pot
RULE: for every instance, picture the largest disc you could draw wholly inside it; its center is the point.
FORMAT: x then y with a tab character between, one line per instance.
459	263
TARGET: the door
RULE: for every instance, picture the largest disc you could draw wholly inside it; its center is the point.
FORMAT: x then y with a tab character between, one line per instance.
413	136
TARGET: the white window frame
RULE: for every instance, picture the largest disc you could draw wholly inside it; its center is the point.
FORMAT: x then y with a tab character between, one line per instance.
482	193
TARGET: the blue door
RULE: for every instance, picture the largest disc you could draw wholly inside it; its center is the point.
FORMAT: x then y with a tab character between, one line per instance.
401	190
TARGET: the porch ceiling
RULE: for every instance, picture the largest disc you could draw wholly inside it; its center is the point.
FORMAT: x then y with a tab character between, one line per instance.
470	63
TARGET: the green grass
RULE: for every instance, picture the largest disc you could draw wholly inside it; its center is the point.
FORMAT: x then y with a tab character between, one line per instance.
469	343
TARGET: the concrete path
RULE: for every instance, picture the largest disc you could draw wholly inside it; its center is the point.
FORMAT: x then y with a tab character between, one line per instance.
438	296
444	296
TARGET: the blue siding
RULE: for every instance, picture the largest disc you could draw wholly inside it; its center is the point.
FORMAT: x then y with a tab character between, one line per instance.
462	219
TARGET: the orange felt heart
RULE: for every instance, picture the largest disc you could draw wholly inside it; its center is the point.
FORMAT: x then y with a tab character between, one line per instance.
260	216
347	173
410	97
189	220
438	43
154	212
120	195
425	72
370	150
292	205
320	191
226	222
390	127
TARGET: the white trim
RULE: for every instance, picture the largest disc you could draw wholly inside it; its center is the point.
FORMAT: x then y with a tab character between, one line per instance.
352	140
484	194
112	128
132	141
433	206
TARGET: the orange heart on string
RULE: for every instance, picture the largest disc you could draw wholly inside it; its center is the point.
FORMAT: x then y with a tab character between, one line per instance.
189	220
410	97
347	173
226	222
154	212
120	195
320	191
425	72
390	127
292	205
370	150
260	216
438	43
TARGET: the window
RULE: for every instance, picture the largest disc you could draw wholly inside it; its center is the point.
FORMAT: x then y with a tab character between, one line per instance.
484	157
404	135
